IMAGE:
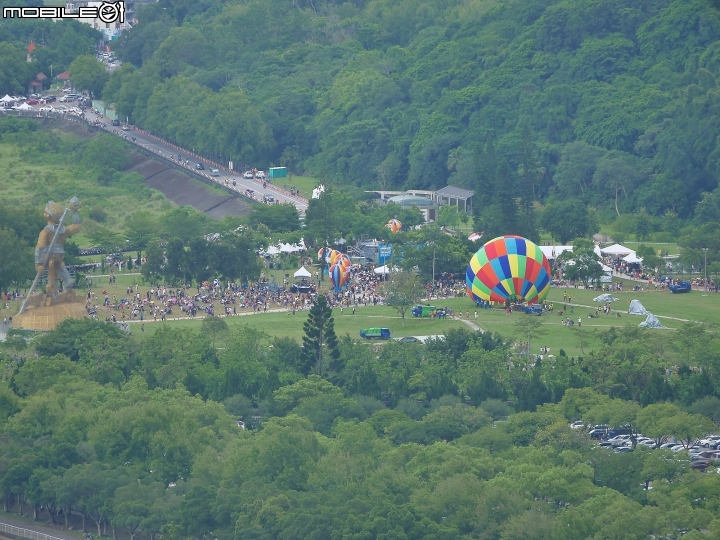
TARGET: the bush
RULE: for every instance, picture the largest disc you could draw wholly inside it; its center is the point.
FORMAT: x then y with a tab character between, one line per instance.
708	406
98	214
664	237
411	408
496	408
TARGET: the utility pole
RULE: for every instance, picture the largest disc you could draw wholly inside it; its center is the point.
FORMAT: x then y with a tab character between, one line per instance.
706	281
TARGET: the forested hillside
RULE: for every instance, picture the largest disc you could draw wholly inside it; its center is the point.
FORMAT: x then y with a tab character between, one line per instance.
619	96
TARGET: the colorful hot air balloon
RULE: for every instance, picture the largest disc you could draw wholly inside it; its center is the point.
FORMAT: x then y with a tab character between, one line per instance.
508	267
338	275
334	255
394	225
344	261
320	253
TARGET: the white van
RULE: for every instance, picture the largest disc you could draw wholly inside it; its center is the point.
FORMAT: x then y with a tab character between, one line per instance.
214	172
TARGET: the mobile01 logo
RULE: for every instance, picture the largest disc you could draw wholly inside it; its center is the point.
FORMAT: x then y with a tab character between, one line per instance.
107	12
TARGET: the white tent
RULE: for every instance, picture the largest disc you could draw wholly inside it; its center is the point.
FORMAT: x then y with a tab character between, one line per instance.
553	252
597	251
290	248
272	250
605	298
317	191
616	249
632	258
382	270
6	99
302	273
636	308
24	107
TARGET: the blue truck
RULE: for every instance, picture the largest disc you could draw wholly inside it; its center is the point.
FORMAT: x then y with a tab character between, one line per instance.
375	333
680	287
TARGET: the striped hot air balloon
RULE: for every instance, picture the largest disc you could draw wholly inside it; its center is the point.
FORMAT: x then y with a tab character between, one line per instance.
508	267
338	275
394	225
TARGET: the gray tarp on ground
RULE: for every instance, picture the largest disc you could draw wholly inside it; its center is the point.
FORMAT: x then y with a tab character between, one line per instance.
650	322
636	308
605	298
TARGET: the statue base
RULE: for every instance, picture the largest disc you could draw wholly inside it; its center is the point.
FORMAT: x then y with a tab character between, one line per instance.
45	312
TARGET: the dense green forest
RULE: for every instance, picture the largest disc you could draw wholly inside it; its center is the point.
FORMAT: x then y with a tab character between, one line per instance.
619	97
452	440
611	104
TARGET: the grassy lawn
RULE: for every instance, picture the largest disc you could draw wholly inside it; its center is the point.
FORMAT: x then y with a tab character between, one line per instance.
672	249
692	306
284	324
304	183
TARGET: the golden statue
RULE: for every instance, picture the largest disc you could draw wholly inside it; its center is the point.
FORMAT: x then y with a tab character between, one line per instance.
55	252
46	311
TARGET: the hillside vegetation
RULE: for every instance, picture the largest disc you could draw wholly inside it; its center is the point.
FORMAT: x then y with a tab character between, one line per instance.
618	98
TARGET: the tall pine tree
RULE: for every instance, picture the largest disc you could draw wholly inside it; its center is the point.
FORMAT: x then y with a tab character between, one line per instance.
319	341
528	179
501	217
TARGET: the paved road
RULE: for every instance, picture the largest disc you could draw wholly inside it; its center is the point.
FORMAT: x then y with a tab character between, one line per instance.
244	187
225	179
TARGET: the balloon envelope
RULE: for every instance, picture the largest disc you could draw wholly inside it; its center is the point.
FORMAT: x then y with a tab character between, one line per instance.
394	225
508	267
338	275
334	255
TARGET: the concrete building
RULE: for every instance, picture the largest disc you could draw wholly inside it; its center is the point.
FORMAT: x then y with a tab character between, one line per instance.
110	31
454	196
429	201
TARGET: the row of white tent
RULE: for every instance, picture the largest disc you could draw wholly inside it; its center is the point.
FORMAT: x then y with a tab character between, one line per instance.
616	250
7	99
285	248
304	273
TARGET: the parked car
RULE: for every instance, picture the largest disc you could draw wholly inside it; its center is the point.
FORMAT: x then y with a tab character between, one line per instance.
261	175
577	425
268	198
708	441
533	309
200	167
248	175
408	339
116	122
46	108
32	101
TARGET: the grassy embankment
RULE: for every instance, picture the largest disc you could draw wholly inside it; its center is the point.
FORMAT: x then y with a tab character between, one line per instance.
36	181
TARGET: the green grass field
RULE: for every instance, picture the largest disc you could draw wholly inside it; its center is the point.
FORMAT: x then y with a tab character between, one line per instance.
304	183
667	306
